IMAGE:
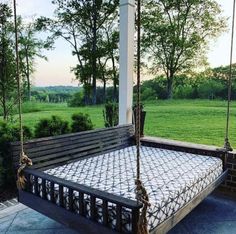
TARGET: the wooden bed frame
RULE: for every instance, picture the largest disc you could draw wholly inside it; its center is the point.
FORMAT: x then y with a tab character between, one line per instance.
55	151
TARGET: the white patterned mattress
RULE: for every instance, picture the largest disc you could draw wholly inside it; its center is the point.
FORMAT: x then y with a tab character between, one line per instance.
171	178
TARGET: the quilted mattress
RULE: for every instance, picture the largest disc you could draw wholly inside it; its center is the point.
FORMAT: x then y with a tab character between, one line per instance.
171	178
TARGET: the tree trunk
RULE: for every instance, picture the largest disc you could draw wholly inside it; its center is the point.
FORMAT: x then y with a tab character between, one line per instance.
94	52
28	78
104	91
170	79
4	105
114	78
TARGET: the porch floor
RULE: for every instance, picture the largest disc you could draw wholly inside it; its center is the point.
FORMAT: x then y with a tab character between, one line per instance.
216	215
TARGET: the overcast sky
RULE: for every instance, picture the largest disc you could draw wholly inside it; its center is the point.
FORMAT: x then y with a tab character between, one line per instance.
56	71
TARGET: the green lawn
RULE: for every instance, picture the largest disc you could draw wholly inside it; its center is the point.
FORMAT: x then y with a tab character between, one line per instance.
198	121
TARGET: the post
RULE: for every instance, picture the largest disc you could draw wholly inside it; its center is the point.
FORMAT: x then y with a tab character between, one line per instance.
127	29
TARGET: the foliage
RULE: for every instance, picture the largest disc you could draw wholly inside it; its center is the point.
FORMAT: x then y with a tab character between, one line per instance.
51	127
9	133
81	122
7	62
30	48
79	23
176	34
210	84
110	114
76	100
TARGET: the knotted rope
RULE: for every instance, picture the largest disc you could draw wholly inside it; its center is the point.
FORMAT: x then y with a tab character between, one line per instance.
24	160
141	193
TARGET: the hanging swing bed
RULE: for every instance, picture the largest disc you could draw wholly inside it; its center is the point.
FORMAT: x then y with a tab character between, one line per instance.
91	181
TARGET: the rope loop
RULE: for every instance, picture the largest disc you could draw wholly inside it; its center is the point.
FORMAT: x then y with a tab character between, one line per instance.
24	162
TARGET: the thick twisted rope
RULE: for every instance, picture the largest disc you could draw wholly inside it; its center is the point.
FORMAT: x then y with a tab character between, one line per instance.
141	193
227	145
24	160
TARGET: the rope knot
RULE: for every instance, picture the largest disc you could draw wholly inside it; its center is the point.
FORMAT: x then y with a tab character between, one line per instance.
142	196
25	161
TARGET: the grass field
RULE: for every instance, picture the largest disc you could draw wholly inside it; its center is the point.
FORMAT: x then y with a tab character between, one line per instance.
199	121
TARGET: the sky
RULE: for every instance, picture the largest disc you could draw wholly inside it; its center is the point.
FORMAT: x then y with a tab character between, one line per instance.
56	71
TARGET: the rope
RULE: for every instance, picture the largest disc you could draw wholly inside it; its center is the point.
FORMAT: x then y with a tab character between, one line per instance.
227	145
24	160
141	193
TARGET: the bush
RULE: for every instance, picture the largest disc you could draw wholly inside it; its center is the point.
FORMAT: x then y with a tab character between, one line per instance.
51	127
110	114
212	89
9	133
76	100
81	122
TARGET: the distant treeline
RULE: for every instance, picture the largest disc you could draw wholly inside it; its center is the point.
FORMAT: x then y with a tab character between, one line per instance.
210	84
54	94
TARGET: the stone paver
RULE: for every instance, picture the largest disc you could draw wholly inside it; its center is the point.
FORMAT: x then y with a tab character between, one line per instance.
215	215
6	204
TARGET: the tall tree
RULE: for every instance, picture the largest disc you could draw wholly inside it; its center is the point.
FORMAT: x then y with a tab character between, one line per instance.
30	47
176	33
7	62
78	22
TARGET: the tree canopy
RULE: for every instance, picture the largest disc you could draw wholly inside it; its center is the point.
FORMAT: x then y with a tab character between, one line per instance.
176	33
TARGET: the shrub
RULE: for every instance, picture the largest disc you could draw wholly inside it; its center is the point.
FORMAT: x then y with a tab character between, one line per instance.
76	100
81	122
110	114
51	127
9	133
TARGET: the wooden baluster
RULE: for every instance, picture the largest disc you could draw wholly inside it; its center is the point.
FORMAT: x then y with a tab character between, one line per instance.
61	196
36	186
70	199
93	207
44	193
81	203
135	217
28	183
119	218
105	212
52	194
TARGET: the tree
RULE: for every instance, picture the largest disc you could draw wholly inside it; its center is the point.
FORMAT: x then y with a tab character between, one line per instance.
108	55
7	62
30	48
78	22
176	33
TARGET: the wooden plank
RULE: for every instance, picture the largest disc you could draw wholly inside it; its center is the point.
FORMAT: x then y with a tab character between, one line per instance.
67	159
71	150
87	190
61	138
165	226
67	218
33	149
183	146
104	140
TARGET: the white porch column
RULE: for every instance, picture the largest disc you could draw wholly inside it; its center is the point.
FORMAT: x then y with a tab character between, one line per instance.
127	30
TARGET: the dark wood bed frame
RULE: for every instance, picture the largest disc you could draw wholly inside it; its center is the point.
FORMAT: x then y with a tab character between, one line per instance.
55	151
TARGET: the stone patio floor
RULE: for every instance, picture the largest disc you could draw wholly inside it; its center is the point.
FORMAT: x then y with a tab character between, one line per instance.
216	215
